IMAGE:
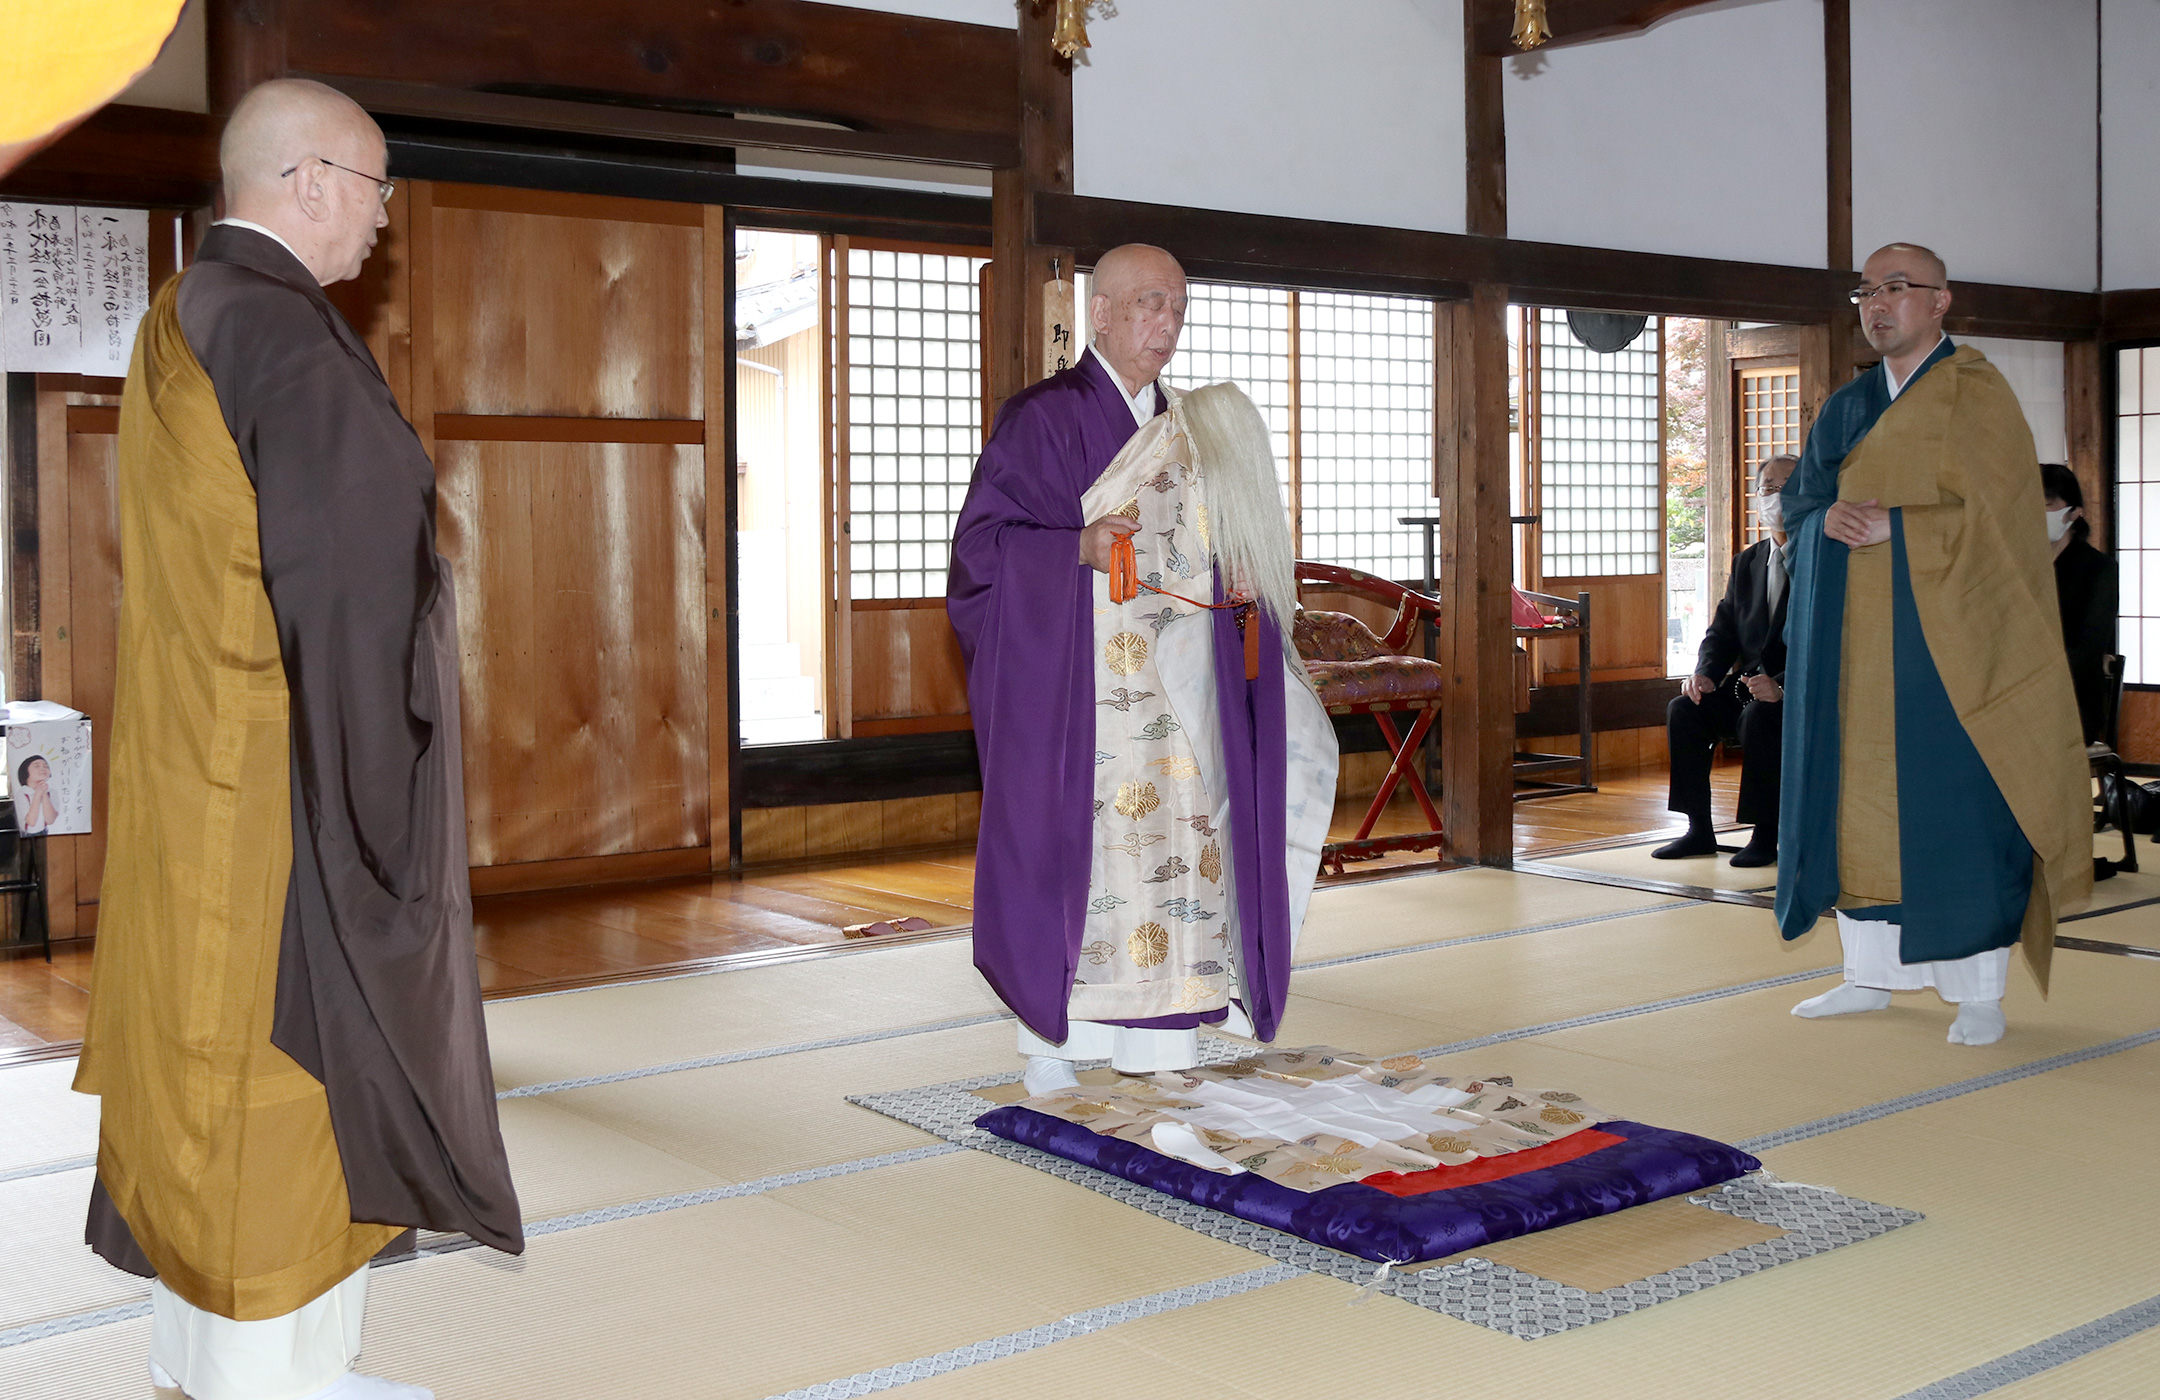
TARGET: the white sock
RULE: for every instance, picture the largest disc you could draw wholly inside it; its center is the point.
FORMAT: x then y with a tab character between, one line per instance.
354	1386
1843	1000
1046	1074
1977	1023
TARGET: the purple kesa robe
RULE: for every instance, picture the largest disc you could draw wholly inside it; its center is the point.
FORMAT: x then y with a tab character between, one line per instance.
1021	602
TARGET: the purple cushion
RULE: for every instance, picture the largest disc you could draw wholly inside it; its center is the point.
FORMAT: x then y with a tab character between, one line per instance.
1650	1165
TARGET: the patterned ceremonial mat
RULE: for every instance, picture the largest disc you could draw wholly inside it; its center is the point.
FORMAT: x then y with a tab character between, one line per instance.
1530	1287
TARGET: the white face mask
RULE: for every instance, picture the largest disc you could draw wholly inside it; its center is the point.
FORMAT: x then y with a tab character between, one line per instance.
2059	523
1772	510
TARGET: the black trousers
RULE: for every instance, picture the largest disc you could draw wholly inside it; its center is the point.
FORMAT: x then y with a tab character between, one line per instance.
1693	730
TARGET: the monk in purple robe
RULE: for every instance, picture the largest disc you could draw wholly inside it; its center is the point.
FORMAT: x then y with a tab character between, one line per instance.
1157	775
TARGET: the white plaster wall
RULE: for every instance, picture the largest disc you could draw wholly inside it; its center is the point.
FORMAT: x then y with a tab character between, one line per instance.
2035	371
1005	14
2130	143
1702	135
178	79
1973	133
1350	110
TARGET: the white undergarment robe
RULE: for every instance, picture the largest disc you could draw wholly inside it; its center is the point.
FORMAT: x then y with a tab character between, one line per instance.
277	1358
1871	960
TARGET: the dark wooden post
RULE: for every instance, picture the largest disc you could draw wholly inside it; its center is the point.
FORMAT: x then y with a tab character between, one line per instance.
2085	433
1019	266
1837	128
1477	746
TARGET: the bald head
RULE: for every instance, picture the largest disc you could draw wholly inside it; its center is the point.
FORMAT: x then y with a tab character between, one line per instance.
1905	293
305	161
1137	311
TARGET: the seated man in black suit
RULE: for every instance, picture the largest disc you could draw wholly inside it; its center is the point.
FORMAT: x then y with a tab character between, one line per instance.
1737	692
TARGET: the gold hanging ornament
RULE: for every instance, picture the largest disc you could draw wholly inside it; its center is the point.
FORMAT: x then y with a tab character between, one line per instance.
1530	26
1069	35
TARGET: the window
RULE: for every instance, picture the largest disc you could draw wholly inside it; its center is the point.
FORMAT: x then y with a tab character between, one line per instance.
914	414
1241	334
1769	425
2137	511
1355	372
1365	430
1599	452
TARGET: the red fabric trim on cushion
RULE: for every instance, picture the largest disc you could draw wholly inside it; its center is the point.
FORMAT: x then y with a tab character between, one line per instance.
1484	1169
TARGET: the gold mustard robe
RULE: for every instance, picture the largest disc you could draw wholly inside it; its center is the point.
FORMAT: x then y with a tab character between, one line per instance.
213	1144
1955	453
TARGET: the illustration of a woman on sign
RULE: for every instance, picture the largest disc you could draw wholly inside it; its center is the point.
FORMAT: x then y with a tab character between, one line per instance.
35	810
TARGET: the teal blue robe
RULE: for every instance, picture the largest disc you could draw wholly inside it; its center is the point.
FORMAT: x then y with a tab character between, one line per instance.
1966	867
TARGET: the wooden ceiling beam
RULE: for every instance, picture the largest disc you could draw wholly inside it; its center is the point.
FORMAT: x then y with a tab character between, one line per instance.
142	156
864	69
384	97
1571	21
1216	245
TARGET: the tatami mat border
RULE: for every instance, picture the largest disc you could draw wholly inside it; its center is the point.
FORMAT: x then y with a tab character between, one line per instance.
1348	958
1072	1325
765	1052
1621	1013
2044	1355
71	1164
556	1086
1785	1137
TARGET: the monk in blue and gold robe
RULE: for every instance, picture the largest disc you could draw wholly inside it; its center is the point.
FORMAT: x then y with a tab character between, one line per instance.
1935	788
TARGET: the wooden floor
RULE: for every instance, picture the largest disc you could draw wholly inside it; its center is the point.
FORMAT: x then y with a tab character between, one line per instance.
572	937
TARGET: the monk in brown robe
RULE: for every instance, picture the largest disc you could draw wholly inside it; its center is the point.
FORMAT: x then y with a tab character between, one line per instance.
285	1026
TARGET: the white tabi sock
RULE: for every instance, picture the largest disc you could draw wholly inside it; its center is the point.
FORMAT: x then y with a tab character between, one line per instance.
1843	1000
1977	1023
1046	1074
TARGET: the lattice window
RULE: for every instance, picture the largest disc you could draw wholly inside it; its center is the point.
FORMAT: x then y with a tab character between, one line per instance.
1365	426
1600	450
914	414
2137	512
1769	425
1241	334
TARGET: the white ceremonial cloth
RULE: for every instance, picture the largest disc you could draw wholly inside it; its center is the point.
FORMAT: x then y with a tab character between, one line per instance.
1140	405
1871	960
277	1358
1134	1049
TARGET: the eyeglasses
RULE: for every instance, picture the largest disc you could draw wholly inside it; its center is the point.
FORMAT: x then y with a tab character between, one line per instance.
388	187
1895	287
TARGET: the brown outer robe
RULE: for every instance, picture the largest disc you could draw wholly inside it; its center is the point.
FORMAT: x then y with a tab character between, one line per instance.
285	1022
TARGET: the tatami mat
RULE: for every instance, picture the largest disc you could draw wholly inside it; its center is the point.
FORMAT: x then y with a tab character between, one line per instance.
1706	872
41	1119
2124	1371
2030	1229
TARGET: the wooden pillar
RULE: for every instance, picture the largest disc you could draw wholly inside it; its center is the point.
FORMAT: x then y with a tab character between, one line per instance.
1477	745
1721	477
2086	432
1837	131
244	44
1485	136
1019	266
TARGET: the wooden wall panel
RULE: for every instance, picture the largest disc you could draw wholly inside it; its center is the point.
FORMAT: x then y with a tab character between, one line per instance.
581	580
1627	629
93	451
568	316
907	665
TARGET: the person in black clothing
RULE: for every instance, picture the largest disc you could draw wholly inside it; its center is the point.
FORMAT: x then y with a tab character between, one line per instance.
2085	587
1737	693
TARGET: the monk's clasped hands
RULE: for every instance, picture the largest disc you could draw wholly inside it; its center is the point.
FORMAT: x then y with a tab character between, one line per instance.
1857	524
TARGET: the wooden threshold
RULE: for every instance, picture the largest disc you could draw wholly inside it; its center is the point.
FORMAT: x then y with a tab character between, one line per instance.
576	872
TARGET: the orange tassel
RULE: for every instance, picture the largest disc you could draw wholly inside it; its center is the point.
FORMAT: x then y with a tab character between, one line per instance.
1249	624
1124	571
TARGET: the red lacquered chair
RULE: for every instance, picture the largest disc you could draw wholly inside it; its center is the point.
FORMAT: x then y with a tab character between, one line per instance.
1357	673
